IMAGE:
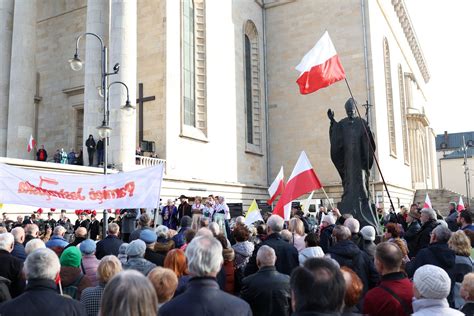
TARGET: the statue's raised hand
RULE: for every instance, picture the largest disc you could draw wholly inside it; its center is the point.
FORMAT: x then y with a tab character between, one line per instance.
331	115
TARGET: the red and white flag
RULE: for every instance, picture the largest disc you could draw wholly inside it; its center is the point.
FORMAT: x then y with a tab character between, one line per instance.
277	187
460	204
320	67
427	202
31	144
303	180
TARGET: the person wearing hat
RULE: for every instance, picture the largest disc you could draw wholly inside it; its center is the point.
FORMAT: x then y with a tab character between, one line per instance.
71	274
89	261
136	261
431	286
94	227
453	215
368	246
149	238
327	225
169	214
184	209
179	239
413	222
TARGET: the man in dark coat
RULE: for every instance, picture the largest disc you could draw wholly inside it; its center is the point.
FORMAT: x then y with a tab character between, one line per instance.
144	222
19	250
100	151
346	253
327	225
82	221
267	291
10	266
109	245
412	231
90	144
428	223
41	296
179	239
149	238
184	209
79	236
451	219
93	228
202	295
129	218
286	254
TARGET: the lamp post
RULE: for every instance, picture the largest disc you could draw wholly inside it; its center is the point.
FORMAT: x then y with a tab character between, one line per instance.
104	129
465	148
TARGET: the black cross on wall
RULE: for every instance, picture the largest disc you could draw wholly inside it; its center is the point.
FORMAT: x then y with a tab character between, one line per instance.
140	101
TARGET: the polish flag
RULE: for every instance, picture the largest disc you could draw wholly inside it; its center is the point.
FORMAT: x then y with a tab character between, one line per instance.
303	180
427	202
31	144
461	204
320	67
277	187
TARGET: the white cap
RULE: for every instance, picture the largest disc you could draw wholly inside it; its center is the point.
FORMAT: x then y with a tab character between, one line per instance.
368	233
432	282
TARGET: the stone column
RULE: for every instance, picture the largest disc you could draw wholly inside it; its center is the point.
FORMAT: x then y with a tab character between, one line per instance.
21	109
6	27
98	23
123	50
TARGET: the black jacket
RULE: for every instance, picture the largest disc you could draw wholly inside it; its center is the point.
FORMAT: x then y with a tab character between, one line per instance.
154	257
41	298
410	236
326	238
11	269
267	292
437	254
203	297
346	253
108	246
90	144
286	254
422	238
94	229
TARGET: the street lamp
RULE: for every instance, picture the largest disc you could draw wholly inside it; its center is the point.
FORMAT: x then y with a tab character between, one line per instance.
104	129
465	148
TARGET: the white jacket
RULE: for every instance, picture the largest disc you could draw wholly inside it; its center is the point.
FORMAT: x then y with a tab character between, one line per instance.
308	253
433	307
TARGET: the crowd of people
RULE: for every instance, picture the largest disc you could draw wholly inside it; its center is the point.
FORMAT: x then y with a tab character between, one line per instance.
200	261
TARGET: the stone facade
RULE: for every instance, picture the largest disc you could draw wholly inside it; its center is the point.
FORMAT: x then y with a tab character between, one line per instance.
215	156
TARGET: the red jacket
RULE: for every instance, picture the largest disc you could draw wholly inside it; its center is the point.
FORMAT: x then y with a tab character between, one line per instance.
380	302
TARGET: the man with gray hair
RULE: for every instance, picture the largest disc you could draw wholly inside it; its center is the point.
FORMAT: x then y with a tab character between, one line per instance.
57	243
110	245
267	291
286	253
19	250
41	269
428	223
203	296
10	266
143	224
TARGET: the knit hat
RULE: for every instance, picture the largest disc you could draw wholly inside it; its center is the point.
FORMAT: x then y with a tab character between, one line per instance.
123	248
186	221
368	233
136	248
148	236
328	218
71	257
87	247
432	282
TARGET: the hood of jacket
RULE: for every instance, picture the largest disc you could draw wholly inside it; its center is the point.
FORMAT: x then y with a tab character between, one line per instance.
69	275
312	252
346	249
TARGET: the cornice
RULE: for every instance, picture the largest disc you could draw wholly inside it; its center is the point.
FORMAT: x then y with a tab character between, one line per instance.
404	18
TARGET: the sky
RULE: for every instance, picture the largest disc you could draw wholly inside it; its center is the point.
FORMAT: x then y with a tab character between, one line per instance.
445	32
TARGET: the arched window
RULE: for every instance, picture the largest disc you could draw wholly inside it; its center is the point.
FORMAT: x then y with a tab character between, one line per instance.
252	85
389	92
193	58
403	113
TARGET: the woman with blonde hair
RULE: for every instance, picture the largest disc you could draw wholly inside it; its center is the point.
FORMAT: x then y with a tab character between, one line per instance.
296	227
129	293
467	293
108	267
461	245
165	283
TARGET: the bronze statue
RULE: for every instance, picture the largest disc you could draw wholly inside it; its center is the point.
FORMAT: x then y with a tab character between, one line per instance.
353	158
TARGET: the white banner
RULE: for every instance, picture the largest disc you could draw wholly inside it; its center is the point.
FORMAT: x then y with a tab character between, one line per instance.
135	189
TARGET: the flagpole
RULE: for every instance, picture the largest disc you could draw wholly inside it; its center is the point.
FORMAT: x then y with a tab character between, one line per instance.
327	197
371	147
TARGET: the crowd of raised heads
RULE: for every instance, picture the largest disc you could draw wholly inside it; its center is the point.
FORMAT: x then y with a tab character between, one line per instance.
200	261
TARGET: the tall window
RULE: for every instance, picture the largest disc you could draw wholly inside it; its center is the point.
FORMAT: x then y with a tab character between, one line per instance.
194	64
389	92
403	113
252	87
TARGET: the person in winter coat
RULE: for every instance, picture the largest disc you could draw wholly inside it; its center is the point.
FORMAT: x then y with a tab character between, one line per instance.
413	227
163	242
42	268
467	293
296	227
243	248
169	214
71	274
354	226
428	223
71	157
311	250
346	253
129	218
431	288
90	144
368	246
451	219
11	267
136	261
267	291
57	243
179	238
109	245
327	225
94	227
89	262
100	151
42	154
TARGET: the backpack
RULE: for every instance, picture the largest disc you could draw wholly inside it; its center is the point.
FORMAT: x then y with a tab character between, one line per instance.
72	290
